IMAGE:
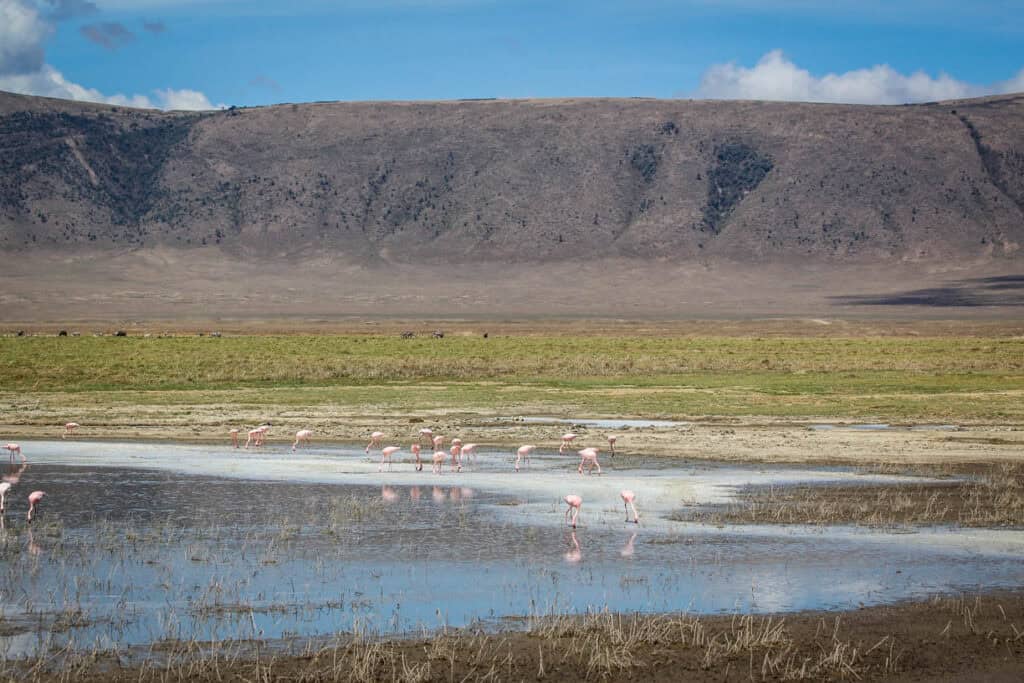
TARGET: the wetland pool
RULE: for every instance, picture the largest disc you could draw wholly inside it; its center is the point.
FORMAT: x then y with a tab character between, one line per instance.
141	543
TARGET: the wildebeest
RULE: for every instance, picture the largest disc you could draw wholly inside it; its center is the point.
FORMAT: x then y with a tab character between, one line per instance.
408	335
438	334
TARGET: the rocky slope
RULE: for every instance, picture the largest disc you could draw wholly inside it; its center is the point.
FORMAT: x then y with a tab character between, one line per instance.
520	180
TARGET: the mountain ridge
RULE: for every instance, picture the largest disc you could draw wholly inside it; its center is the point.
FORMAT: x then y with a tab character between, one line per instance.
520	180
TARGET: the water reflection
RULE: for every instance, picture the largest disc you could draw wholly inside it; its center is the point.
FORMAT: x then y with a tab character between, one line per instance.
575	553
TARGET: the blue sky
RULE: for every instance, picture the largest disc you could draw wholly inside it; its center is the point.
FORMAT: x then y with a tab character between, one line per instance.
259	52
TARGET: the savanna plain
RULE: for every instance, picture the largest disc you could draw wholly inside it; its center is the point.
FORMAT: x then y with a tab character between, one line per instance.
755	447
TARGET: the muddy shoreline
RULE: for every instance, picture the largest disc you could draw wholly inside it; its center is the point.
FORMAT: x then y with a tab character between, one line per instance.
765	440
944	638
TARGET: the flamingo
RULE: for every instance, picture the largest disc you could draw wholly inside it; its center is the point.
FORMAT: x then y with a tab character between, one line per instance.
456	441
524	454
438	460
438	442
302	436
574	502
415	448
457	458
69	428
567	440
255	437
375	440
426	433
627	500
385	456
611	444
264	429
4	488
234	437
588	456
468	451
15	448
34	499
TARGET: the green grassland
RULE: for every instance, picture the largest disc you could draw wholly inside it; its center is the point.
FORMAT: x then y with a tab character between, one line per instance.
978	379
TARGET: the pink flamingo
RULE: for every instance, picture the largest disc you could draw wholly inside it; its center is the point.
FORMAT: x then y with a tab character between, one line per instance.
438	460
302	436
456	441
255	437
264	429
589	456
375	440
415	448
15	448
385	456
468	451
567	440
457	458
426	433
524	454
627	500
575	553
438	442
34	499
574	502
234	437
69	428
611	444
4	488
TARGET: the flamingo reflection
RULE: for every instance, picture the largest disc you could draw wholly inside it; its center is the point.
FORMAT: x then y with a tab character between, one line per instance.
575	553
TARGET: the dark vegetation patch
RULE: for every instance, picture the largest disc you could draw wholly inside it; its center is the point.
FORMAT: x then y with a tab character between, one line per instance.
100	159
1005	169
738	168
645	159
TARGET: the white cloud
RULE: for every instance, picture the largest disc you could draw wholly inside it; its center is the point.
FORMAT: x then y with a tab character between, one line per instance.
23	68
777	78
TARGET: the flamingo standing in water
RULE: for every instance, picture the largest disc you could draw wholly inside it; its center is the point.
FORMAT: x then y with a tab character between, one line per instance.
302	436
588	456
4	488
264	429
627	500
375	440
69	428
574	502
611	444
415	448
438	442
234	437
438	461
567	440
524	454
468	451
255	437
457	458
385	457
15	448
425	433
34	499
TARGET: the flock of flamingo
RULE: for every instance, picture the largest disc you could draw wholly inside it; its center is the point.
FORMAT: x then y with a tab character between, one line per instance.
457	452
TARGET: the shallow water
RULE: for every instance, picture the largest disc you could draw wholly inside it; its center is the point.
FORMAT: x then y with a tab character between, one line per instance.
599	423
142	542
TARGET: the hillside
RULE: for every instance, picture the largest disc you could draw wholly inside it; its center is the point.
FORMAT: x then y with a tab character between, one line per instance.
523	180
482	209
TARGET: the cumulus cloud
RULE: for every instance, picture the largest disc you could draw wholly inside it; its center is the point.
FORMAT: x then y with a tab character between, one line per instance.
24	30
775	77
109	34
